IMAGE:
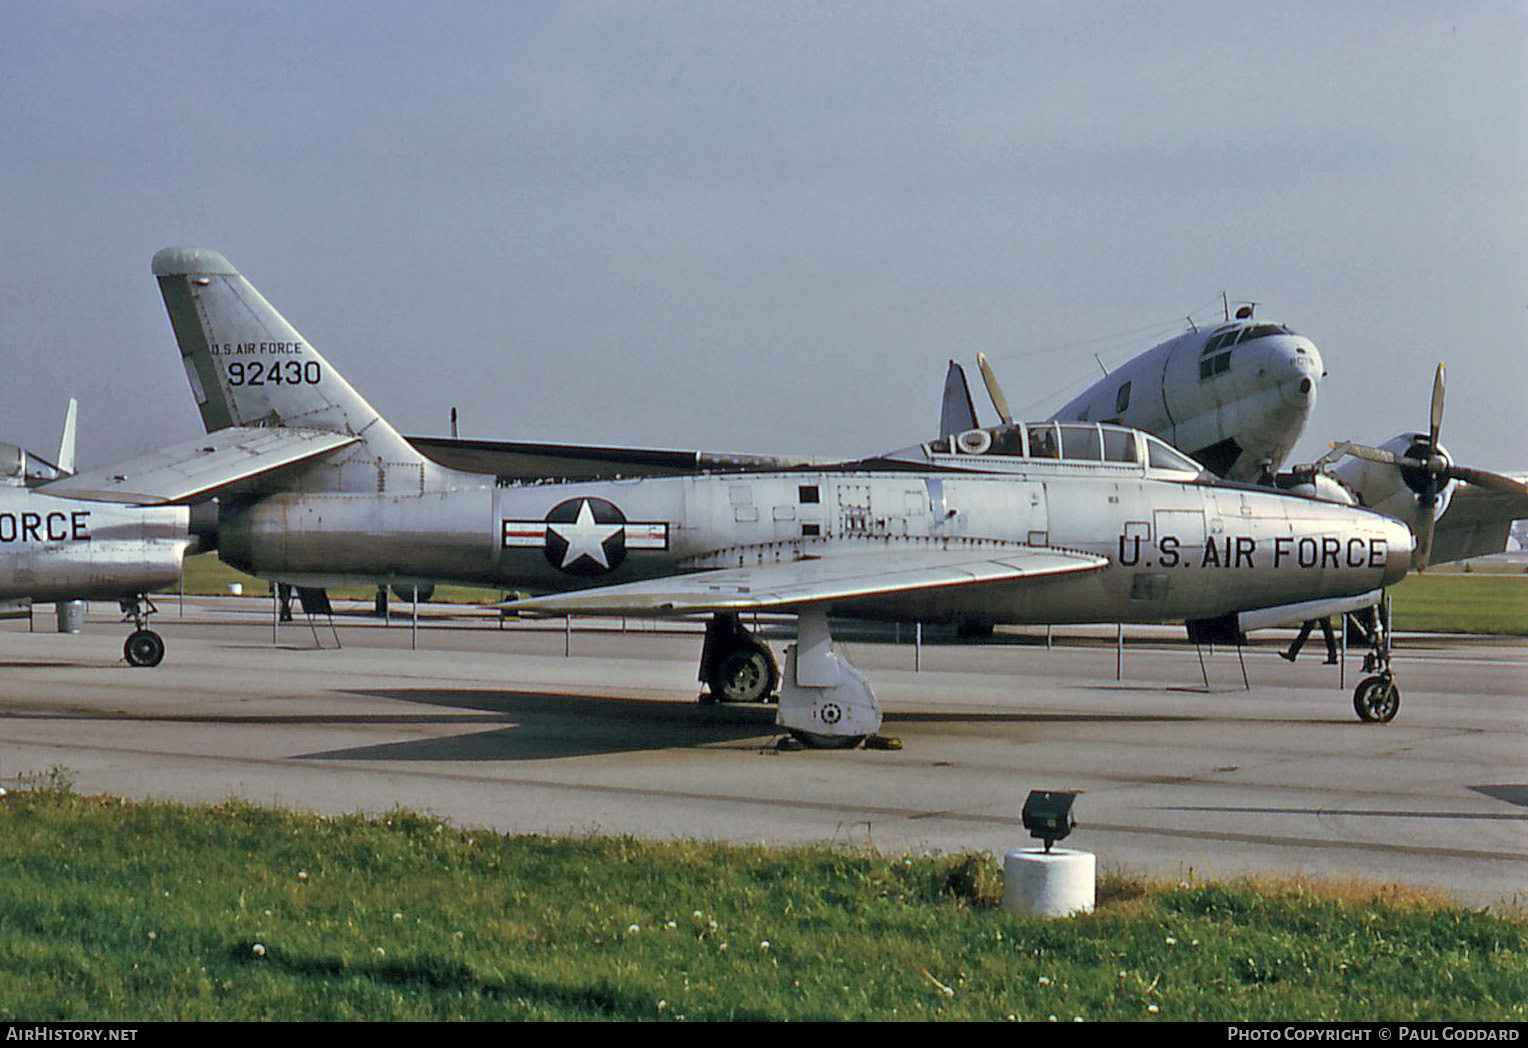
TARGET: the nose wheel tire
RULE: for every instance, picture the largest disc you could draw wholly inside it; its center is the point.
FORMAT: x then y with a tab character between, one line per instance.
1377	700
143	648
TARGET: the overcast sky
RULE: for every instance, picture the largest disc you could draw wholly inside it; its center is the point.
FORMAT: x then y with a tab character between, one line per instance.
764	226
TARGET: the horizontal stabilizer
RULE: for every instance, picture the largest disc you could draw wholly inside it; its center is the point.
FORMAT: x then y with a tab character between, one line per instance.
837	576
200	468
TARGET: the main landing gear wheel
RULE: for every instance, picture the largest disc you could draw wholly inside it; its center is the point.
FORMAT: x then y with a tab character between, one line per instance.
1377	699
745	674
143	648
735	665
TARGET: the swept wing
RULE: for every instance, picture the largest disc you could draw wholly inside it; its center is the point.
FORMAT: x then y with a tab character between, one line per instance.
841	577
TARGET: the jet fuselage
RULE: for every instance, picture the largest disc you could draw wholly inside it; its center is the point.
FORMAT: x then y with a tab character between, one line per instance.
1177	548
64	549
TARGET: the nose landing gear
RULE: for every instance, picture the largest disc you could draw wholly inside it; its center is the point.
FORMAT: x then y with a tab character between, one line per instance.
143	646
1377	700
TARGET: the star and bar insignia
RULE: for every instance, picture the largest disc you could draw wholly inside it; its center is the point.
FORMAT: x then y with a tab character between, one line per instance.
585	536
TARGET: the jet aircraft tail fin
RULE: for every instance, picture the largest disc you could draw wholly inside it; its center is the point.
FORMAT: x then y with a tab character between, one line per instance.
249	367
957	413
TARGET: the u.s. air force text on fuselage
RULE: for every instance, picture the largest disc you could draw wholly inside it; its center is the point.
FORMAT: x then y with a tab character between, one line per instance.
53	526
1241	551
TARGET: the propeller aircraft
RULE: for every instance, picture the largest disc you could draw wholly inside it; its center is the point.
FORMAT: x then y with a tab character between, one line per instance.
1234	397
1237	396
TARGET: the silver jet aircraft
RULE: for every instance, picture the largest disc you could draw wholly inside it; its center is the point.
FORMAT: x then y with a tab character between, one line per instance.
55	548
1042	523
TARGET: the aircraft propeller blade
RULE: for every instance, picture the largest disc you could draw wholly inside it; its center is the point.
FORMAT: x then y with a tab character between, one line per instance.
1435	416
1435	464
1421	553
994	390
1486	479
1372	454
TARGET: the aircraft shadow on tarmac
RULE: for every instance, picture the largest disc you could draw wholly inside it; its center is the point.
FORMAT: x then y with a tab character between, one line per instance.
33	664
543	725
1511	793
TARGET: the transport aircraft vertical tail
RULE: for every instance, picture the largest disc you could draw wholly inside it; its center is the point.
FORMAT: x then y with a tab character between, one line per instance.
249	367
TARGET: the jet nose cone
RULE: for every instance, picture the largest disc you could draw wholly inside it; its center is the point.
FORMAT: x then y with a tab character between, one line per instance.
1400	547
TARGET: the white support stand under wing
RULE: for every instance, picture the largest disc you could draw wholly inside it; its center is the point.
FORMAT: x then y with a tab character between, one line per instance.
823	698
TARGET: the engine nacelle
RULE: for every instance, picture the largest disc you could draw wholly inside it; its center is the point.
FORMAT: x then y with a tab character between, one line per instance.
1396	491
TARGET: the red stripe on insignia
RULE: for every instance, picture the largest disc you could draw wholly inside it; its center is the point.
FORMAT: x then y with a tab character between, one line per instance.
524	533
646	536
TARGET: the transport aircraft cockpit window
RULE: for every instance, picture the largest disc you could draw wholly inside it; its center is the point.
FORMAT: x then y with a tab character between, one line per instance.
1215	357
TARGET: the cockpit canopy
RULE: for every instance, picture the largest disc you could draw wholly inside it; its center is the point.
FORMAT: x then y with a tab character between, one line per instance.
1079	442
1215	356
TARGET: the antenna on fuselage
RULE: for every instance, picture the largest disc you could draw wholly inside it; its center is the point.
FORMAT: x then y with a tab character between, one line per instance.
1243	311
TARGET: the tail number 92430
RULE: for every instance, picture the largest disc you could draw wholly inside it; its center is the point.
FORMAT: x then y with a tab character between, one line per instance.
274	373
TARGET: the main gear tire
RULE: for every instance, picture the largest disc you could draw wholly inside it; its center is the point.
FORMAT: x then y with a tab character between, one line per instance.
745	672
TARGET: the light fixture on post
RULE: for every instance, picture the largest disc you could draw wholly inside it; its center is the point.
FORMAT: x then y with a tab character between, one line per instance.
1048	816
1059	883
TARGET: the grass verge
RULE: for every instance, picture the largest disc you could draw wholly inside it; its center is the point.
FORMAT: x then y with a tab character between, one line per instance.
123	911
1462	602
